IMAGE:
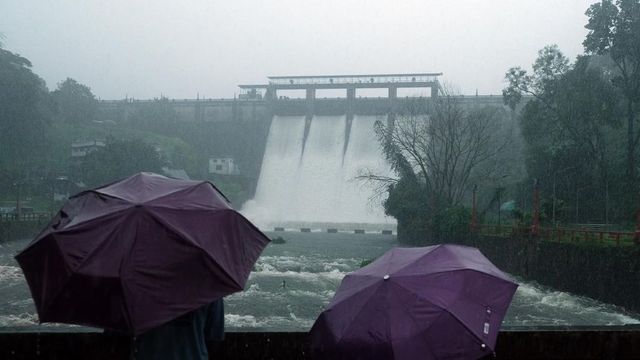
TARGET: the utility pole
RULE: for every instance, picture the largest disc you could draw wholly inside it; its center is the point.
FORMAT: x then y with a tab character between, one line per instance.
474	214
636	237
18	202
500	189
535	221
553	205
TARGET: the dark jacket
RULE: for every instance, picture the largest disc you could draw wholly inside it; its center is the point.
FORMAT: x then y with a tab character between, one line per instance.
184	338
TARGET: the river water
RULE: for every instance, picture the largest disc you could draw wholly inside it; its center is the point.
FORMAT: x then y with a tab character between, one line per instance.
292	282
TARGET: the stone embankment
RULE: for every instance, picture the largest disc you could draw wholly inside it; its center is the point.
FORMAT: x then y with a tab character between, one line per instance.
14	230
555	343
610	274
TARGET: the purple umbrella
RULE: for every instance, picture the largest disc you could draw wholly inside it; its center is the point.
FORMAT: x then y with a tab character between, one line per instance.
435	302
137	253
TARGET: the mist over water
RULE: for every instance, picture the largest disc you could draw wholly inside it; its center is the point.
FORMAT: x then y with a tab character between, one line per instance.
313	180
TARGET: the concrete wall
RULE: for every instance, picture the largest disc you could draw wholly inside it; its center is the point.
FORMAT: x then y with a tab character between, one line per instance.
233	110
533	344
610	274
15	230
187	110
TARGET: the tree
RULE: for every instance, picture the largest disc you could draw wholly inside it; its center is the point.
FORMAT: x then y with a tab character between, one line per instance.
438	155
443	151
614	30
119	159
567	127
25	113
75	102
549	66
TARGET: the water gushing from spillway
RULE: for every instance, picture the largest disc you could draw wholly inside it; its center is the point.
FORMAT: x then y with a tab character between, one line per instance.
313	180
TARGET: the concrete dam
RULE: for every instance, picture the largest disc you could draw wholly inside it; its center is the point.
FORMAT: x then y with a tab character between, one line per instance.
313	181
306	153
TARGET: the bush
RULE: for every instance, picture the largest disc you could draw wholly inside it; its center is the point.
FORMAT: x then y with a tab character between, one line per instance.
451	223
366	262
278	240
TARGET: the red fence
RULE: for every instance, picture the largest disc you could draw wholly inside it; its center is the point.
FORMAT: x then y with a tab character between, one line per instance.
560	234
31	216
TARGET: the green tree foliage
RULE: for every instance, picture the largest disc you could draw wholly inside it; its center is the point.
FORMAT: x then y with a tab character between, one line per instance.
614	30
549	65
75	102
159	116
25	114
569	128
241	139
452	223
119	159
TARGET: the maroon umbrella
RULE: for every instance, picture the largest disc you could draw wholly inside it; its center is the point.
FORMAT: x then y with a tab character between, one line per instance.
436	302
137	253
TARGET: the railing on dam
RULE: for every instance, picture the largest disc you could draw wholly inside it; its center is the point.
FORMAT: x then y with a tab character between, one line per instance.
235	109
355	80
33	216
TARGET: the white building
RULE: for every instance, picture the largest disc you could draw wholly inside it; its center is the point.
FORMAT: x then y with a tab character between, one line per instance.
81	149
223	166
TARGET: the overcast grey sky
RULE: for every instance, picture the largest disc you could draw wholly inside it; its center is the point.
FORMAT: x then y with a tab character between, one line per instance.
144	48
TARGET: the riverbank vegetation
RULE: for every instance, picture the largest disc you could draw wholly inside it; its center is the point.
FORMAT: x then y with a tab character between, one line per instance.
59	140
575	134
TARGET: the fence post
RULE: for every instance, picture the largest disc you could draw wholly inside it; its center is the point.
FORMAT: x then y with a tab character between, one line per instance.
474	214
535	221
636	236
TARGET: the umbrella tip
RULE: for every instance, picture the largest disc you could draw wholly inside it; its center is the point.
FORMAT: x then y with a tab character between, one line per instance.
386	277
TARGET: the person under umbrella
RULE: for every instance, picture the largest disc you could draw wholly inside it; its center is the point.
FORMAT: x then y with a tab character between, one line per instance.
190	336
435	302
136	254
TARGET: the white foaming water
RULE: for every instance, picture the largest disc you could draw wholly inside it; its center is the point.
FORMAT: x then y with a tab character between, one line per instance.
236	321
313	181
268	270
293	282
10	274
318	187
278	173
541	306
23	319
363	156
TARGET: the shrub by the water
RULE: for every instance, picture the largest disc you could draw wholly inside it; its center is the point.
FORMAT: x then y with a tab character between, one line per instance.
366	262
451	223
278	240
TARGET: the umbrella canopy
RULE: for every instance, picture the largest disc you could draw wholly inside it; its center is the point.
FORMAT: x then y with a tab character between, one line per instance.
140	252
436	302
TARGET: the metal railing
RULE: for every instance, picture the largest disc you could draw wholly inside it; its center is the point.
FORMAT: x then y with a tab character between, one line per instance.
353	79
564	234
31	216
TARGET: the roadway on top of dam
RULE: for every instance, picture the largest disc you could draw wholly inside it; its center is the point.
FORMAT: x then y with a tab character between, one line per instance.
464	99
261	109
